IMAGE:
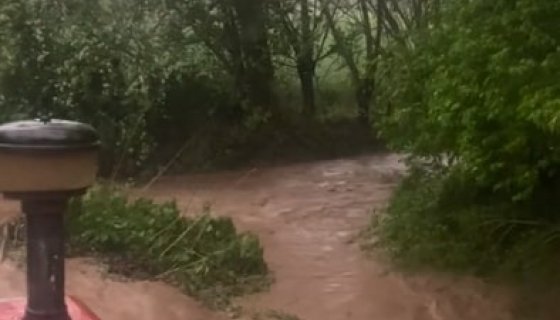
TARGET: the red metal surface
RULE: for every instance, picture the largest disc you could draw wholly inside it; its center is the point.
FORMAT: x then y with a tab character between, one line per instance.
13	309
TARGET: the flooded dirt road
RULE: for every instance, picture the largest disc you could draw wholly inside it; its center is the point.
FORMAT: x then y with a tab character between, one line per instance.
308	217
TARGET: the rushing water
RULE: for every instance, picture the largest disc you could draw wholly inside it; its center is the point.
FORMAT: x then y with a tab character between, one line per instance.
308	217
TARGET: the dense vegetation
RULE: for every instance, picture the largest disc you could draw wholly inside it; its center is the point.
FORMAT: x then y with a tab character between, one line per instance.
200	80
474	99
203	255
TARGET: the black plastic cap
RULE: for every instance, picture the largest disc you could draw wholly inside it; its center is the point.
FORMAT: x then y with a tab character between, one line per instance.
51	135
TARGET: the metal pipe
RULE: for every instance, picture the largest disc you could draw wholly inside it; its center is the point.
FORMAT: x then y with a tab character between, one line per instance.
45	258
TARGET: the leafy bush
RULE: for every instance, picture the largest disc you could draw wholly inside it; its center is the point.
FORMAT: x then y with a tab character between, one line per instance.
67	61
114	64
476	97
203	255
482	86
443	221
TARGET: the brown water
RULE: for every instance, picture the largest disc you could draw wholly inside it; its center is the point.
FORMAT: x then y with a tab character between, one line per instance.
308	217
113	299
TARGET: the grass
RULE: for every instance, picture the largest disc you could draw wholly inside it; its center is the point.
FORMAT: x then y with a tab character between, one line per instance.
441	220
203	255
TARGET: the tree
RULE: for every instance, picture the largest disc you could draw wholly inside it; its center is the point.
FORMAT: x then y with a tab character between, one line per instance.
357	32
235	31
362	28
485	91
303	30
88	62
252	19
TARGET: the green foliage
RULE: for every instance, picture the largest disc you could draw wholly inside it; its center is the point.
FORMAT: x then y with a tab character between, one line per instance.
481	86
61	60
443	221
203	255
115	64
154	76
475	97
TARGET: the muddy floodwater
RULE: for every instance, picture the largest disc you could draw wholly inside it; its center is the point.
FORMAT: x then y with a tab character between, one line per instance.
308	217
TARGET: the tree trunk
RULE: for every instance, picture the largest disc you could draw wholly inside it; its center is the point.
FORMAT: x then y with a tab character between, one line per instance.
364	92
306	75
259	73
305	63
365	85
233	46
